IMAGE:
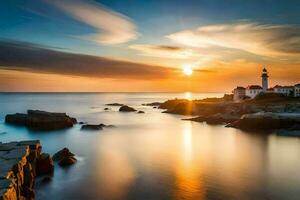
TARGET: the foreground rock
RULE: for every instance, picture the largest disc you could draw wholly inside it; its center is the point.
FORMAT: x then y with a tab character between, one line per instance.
41	120
126	109
19	162
268	121
64	157
114	104
140	112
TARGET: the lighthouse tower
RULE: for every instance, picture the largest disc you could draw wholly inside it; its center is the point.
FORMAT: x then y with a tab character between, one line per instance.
264	79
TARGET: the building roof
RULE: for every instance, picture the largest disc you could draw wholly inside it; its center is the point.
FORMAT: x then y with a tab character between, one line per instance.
240	88
254	87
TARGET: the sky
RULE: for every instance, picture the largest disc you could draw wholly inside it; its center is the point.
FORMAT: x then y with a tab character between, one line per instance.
143	46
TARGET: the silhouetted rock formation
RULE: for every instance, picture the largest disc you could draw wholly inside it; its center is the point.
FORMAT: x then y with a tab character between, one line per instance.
114	104
126	109
41	120
94	126
152	104
20	162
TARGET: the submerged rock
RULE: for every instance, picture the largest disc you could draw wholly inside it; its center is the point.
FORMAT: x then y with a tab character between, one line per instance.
114	104
152	104
140	112
41	120
126	109
64	157
215	119
94	126
106	108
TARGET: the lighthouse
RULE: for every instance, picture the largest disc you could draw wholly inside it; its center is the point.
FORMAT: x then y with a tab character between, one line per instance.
264	80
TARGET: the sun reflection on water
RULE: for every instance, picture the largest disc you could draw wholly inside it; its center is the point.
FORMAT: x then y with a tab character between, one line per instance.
188	172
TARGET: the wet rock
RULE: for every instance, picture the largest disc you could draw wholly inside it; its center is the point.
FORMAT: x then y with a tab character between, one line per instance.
81	123
65	152
218	118
106	109
267	121
66	161
92	127
44	164
114	104
64	157
140	112
126	109
41	120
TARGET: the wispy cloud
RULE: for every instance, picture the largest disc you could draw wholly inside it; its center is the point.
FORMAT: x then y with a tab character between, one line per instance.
261	39
38	59
111	27
164	51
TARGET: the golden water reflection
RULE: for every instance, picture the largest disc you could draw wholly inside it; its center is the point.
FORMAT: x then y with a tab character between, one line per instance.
188	173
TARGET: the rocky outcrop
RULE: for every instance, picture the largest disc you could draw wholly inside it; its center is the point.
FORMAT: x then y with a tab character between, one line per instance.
215	119
19	162
268	121
126	109
64	157
114	104
41	120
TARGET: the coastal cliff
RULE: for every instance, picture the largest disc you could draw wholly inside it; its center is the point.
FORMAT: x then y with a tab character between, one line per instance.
21	162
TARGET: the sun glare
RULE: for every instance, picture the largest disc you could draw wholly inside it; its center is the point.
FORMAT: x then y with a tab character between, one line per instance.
187	70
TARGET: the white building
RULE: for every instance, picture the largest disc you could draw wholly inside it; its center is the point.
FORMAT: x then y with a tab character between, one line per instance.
239	93
253	90
297	90
285	90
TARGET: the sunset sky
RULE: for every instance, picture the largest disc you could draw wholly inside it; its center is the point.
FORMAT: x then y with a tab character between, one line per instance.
143	46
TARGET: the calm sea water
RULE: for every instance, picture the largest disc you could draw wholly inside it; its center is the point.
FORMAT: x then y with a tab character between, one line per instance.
155	156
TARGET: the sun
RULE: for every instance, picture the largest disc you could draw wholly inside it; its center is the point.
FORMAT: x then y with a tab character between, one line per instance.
187	70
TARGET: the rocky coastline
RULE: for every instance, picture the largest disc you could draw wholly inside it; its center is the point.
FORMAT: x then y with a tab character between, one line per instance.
265	112
21	162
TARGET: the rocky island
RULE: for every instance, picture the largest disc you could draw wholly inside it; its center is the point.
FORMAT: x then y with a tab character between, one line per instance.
41	120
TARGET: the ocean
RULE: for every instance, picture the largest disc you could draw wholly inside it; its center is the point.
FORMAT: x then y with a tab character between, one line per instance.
155	156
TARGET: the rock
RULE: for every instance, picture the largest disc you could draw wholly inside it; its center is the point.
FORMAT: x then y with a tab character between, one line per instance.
92	127
126	109
41	120
46	179
66	161
267	121
140	112
18	164
218	118
154	107
114	104
65	152
81	123
44	164
152	104
64	157
106	108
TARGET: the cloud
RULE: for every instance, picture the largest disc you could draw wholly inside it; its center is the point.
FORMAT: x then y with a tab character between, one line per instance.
260	39
164	51
112	27
33	58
